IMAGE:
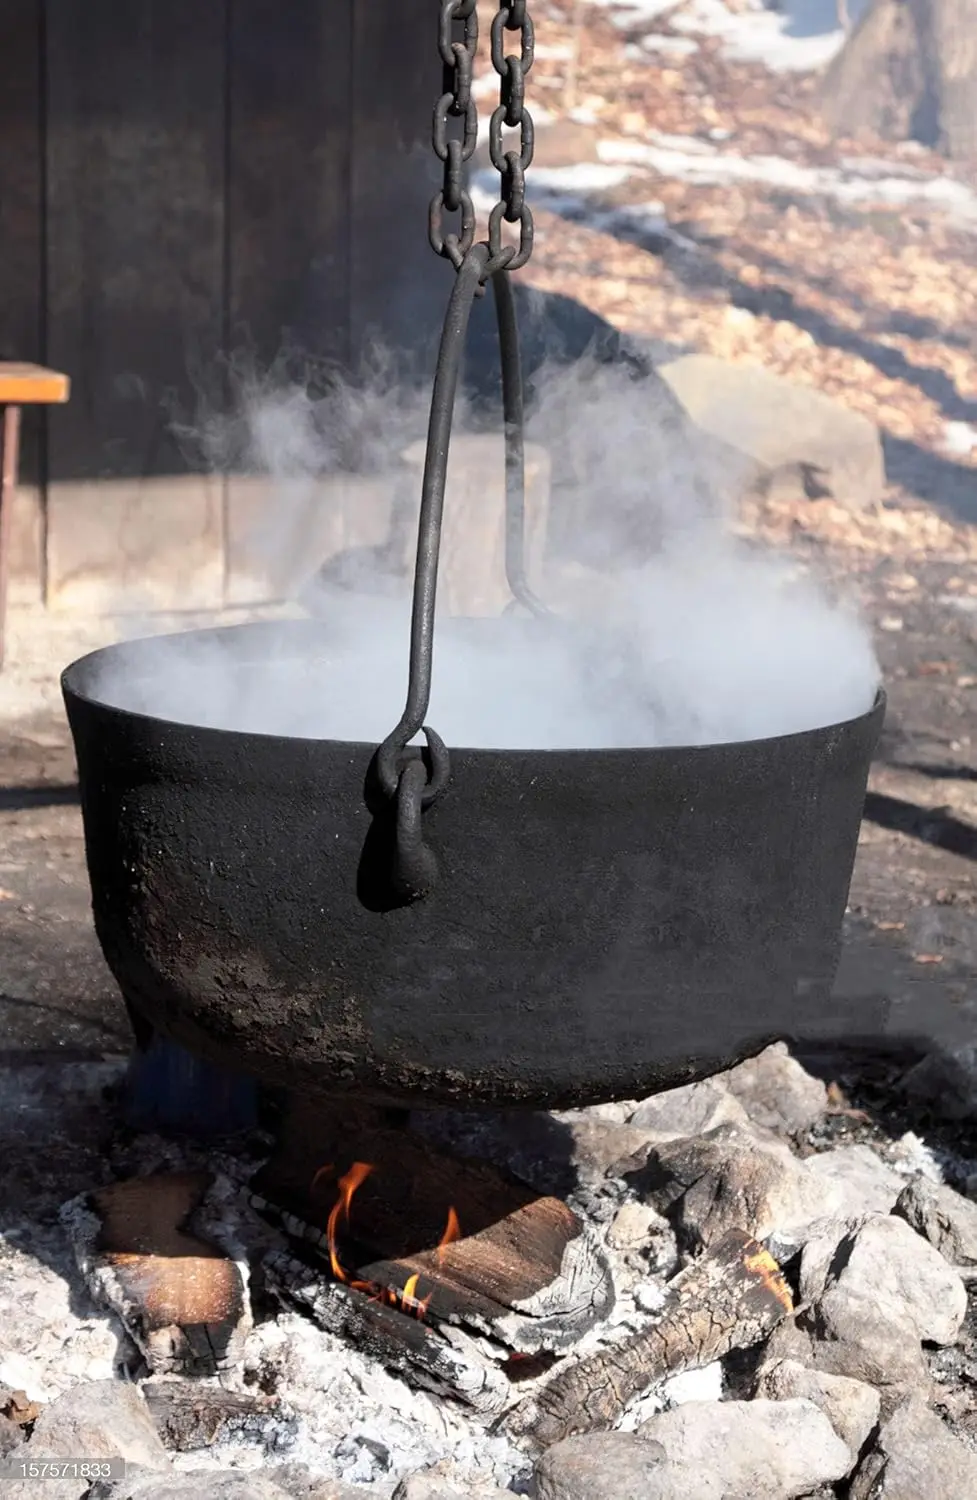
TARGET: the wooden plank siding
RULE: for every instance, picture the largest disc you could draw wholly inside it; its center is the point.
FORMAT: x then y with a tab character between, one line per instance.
398	286
135	288
288	245
180	181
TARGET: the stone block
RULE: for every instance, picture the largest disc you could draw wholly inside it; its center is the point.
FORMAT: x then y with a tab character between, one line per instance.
136	545
281	532
25	561
795	437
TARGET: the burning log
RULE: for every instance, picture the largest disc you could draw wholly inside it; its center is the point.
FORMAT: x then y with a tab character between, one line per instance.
731	1298
446	1359
183	1301
443	1268
447	1238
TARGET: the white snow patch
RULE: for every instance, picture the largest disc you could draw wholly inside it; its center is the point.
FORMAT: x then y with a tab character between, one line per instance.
653	46
568	184
569	191
697	161
800	37
639	221
959	439
629	15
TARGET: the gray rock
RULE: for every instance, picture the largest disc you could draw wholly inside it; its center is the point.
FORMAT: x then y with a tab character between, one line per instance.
435	1486
877	1292
100	1419
943	1217
787	1242
214	1484
297	1482
851	1406
618	1112
947	1082
859	1182
603	1466
600	1147
11	1436
635	1226
709	1450
885	1263
787	433
788	1341
740	1449
776	1092
15	1486
916	1457
731	1178
688	1111
734	1177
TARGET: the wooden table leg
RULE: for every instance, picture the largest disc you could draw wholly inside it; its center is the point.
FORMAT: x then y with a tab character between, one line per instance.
9	453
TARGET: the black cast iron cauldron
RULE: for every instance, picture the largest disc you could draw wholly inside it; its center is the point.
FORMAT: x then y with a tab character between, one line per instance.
607	923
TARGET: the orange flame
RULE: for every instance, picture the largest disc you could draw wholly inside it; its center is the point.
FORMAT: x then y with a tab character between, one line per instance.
452	1232
406	1300
354	1178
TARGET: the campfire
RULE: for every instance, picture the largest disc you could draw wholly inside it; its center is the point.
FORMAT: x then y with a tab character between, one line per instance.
408	1298
474	1297
493	1272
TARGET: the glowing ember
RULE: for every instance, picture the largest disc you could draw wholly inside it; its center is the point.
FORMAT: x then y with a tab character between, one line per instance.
406	1300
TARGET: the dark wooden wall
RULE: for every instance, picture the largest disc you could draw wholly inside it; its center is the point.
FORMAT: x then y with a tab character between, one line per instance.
180	178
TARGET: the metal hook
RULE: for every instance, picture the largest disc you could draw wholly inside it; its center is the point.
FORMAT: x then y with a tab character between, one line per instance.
410	785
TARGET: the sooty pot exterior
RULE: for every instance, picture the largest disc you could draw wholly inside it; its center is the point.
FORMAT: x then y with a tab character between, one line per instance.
607	923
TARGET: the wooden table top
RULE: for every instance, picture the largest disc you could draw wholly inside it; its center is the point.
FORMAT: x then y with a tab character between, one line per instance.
23	385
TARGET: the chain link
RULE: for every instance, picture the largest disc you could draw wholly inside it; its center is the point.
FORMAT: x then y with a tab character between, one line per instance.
454	147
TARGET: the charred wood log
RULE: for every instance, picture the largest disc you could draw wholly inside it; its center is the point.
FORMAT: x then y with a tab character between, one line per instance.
731	1298
190	1417
442	1359
182	1300
522	1267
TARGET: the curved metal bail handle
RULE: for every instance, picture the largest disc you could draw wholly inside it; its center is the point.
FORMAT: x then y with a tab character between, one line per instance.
471	274
513	413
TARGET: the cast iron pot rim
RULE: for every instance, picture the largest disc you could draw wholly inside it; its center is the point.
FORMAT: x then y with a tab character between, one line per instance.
84	663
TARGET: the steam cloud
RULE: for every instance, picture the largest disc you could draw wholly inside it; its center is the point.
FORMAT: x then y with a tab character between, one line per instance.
671	631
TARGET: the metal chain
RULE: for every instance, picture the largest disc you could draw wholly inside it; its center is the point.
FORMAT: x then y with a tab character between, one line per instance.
458	45
512	113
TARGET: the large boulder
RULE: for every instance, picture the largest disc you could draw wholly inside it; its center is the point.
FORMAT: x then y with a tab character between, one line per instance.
791	436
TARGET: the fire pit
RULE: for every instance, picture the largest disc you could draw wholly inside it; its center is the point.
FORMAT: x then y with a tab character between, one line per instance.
478	1296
